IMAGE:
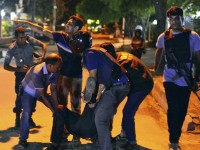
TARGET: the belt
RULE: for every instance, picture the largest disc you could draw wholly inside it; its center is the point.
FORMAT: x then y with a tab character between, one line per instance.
120	84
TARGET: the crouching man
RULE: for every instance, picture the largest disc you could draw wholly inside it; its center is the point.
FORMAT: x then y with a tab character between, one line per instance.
34	86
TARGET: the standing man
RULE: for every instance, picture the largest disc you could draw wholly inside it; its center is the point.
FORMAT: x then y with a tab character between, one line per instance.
22	50
35	85
141	82
184	44
113	84
71	71
137	44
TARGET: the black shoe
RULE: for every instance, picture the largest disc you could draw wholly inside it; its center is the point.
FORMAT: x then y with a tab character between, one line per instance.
118	138
52	147
22	144
76	140
31	123
129	146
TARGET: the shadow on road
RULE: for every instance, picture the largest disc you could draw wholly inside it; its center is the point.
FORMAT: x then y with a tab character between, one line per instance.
5	135
33	146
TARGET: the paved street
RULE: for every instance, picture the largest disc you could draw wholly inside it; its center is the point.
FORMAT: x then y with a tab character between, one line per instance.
151	121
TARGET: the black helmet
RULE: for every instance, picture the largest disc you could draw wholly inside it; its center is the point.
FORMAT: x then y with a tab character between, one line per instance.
80	41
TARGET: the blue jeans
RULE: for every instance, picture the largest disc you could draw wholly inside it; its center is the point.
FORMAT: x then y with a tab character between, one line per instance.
133	102
27	103
105	111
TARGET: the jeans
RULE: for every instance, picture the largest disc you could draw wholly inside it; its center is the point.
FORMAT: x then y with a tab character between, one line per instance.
177	100
28	102
105	111
133	102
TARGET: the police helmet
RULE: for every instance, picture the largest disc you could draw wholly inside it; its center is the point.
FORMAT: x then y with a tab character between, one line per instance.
80	41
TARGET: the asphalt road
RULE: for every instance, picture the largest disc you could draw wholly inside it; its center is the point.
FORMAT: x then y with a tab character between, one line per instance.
151	124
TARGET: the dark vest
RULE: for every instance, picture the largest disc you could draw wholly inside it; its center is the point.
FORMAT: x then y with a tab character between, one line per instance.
179	44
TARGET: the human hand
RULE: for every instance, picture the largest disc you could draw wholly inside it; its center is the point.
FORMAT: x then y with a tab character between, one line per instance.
24	69
91	105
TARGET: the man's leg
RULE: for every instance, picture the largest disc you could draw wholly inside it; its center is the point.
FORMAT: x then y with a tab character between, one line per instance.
177	99
76	95
105	111
27	103
62	117
18	104
129	111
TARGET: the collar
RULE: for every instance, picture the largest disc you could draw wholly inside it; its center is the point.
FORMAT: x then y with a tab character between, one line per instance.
45	70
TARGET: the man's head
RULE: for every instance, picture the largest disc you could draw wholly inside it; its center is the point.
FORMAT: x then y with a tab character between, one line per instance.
20	36
80	41
53	62
109	47
74	24
138	32
175	15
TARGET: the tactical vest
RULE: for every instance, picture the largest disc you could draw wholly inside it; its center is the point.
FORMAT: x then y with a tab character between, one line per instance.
179	44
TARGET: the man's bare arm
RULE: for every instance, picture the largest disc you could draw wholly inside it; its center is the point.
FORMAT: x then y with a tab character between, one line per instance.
11	68
35	27
43	94
158	58
54	94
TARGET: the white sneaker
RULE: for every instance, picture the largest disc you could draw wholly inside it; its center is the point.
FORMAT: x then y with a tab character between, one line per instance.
174	146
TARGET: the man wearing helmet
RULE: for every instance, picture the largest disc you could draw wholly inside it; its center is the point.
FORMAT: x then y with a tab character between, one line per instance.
71	71
113	85
184	44
137	44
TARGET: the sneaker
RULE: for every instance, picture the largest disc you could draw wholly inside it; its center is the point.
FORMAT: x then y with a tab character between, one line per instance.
52	147
32	123
129	146
174	146
118	138
22	144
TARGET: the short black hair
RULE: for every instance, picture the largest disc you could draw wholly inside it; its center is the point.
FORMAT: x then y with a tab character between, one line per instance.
77	21
19	30
109	47
174	11
53	58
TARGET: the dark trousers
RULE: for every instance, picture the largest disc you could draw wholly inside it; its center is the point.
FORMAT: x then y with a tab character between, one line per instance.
105	111
62	116
133	102
177	99
19	76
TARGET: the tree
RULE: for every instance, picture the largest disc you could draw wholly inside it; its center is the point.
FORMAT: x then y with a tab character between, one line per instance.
114	10
160	8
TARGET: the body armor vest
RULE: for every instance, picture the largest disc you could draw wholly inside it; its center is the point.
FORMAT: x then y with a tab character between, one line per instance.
179	44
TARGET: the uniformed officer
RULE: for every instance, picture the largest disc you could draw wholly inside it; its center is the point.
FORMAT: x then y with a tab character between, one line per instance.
22	51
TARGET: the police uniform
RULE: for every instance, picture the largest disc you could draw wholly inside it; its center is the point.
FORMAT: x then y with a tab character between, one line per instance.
23	57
